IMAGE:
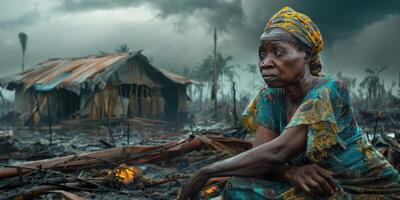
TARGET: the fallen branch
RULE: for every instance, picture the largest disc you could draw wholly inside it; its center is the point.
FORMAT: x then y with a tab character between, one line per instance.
63	175
129	154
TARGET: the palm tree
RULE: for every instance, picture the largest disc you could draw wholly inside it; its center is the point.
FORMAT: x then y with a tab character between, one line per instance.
2	104
203	72
350	82
23	40
2	99
390	91
230	73
224	69
252	69
1	95
186	72
123	48
372	83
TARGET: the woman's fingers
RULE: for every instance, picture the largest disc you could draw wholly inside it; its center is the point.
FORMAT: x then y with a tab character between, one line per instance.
304	187
314	186
326	187
328	175
314	180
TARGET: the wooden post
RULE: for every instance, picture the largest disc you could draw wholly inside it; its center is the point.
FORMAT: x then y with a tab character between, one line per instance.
234	104
215	77
108	113
137	106
32	111
110	132
38	110
129	109
127	135
49	117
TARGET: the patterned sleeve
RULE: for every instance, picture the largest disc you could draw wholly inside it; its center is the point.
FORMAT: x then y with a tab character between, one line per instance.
320	111
260	111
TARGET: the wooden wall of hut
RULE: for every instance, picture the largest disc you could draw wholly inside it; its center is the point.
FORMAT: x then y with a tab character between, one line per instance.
103	103
67	104
144	101
127	100
23	104
182	103
63	105
171	102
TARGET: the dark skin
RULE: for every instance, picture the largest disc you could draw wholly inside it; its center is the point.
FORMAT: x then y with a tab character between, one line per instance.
284	65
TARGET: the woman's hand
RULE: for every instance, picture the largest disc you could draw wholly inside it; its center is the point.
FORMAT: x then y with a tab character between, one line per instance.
192	186
312	179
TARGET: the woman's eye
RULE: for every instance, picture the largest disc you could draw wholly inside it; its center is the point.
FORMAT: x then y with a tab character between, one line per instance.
278	53
262	55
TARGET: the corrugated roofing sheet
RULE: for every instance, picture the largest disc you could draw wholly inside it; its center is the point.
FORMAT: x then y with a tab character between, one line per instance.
64	72
71	73
177	78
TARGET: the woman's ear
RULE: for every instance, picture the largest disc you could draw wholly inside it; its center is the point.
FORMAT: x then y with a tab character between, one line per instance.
307	57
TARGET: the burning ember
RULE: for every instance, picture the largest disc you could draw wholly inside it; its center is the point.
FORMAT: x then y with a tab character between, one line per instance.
126	174
209	191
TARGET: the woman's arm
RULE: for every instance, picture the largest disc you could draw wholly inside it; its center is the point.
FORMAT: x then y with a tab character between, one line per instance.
257	161
311	178
264	135
263	158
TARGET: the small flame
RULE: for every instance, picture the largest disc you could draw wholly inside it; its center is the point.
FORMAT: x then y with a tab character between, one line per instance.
212	189
126	174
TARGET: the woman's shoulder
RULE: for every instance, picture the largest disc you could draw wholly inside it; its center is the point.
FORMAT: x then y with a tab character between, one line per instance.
328	81
270	94
332	85
262	109
266	97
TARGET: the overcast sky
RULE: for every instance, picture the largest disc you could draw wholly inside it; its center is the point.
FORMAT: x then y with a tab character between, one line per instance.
358	34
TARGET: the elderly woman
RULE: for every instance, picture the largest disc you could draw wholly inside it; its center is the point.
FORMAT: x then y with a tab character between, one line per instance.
307	143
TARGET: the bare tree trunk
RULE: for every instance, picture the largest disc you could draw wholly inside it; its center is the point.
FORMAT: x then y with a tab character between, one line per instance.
215	77
234	104
23	60
201	97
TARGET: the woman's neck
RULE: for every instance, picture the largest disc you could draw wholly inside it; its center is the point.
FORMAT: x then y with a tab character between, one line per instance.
299	89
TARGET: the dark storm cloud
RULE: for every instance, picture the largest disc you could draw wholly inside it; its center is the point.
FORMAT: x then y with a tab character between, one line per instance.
88	5
376	45
27	19
341	18
350	28
217	13
221	14
336	19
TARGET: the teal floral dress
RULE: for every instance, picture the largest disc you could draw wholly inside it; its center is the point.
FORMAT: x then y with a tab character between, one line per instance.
334	141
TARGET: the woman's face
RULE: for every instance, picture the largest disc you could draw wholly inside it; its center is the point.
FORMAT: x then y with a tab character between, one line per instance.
281	63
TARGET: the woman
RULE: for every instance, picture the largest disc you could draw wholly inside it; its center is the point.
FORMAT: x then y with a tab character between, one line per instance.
307	142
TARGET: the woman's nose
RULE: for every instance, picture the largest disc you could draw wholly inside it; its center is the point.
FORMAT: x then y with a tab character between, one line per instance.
266	63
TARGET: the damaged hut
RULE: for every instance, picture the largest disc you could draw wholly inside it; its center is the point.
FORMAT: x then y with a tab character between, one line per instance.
98	87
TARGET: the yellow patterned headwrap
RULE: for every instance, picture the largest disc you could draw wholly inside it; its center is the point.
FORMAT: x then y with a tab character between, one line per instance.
300	26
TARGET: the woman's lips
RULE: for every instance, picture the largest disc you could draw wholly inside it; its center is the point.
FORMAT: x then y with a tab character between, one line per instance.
270	77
